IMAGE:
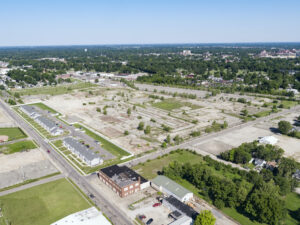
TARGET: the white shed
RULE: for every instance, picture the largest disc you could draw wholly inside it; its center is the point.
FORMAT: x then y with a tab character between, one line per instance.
169	187
271	140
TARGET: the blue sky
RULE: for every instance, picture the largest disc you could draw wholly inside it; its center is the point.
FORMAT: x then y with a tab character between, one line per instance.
66	22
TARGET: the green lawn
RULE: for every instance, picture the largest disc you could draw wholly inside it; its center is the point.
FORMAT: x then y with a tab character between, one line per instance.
55	90
149	169
287	104
13	133
263	113
17	147
172	103
239	217
44	107
292	201
43	204
105	144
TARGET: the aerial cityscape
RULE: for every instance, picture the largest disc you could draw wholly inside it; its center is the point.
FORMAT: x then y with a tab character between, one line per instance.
150	113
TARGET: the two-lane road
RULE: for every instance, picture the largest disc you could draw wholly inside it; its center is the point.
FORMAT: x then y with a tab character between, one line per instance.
111	210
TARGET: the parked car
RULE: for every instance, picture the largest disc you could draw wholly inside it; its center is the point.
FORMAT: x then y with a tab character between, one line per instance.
156	204
149	221
141	217
48	151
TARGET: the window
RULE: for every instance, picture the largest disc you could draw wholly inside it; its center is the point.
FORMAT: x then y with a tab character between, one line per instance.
125	189
131	186
137	184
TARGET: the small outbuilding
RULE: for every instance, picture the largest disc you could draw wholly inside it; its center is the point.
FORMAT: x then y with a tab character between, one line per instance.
271	140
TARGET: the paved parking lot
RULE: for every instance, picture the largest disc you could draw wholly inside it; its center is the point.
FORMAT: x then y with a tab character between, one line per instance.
140	200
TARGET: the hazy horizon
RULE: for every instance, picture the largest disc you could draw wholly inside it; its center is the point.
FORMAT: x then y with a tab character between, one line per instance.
65	23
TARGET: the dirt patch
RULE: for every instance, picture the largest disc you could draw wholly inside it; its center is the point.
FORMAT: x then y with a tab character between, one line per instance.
110	119
215	147
3	138
111	132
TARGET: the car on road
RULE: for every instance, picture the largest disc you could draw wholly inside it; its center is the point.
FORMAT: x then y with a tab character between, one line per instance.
48	151
92	196
156	204
141	217
149	221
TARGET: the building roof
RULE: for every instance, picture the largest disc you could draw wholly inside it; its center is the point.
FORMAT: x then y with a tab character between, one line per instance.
89	216
29	109
187	210
259	162
82	149
182	220
268	140
122	175
170	185
47	122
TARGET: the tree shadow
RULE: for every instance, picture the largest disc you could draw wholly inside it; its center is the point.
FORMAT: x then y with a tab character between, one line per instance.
295	214
274	130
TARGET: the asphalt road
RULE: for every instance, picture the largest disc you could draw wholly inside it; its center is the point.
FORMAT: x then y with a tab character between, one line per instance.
33	184
113	213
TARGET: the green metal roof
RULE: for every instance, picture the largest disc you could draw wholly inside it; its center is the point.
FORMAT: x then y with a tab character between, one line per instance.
170	185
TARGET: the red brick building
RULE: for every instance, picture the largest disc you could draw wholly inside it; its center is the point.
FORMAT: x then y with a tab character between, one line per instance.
122	180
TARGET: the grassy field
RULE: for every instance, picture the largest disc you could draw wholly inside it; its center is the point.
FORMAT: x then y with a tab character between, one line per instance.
55	90
44	107
17	147
292	202
43	204
263	113
107	145
149	169
288	104
172	103
13	133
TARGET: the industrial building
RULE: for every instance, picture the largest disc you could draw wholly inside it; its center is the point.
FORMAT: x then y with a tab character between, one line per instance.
84	153
175	205
89	216
169	187
123	180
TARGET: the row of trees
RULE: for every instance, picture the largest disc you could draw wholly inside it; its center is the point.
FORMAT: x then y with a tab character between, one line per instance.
246	151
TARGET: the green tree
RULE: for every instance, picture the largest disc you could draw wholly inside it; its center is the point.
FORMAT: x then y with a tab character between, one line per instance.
284	127
205	217
141	126
129	111
147	130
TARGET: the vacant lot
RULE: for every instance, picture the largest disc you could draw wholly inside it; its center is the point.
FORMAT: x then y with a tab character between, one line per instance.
149	169
42	204
13	133
57	90
17	147
171	104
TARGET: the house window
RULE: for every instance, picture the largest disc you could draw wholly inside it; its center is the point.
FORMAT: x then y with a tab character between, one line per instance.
131	186
125	189
137	184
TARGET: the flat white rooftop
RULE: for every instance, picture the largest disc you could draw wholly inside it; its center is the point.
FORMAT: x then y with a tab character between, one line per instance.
89	216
